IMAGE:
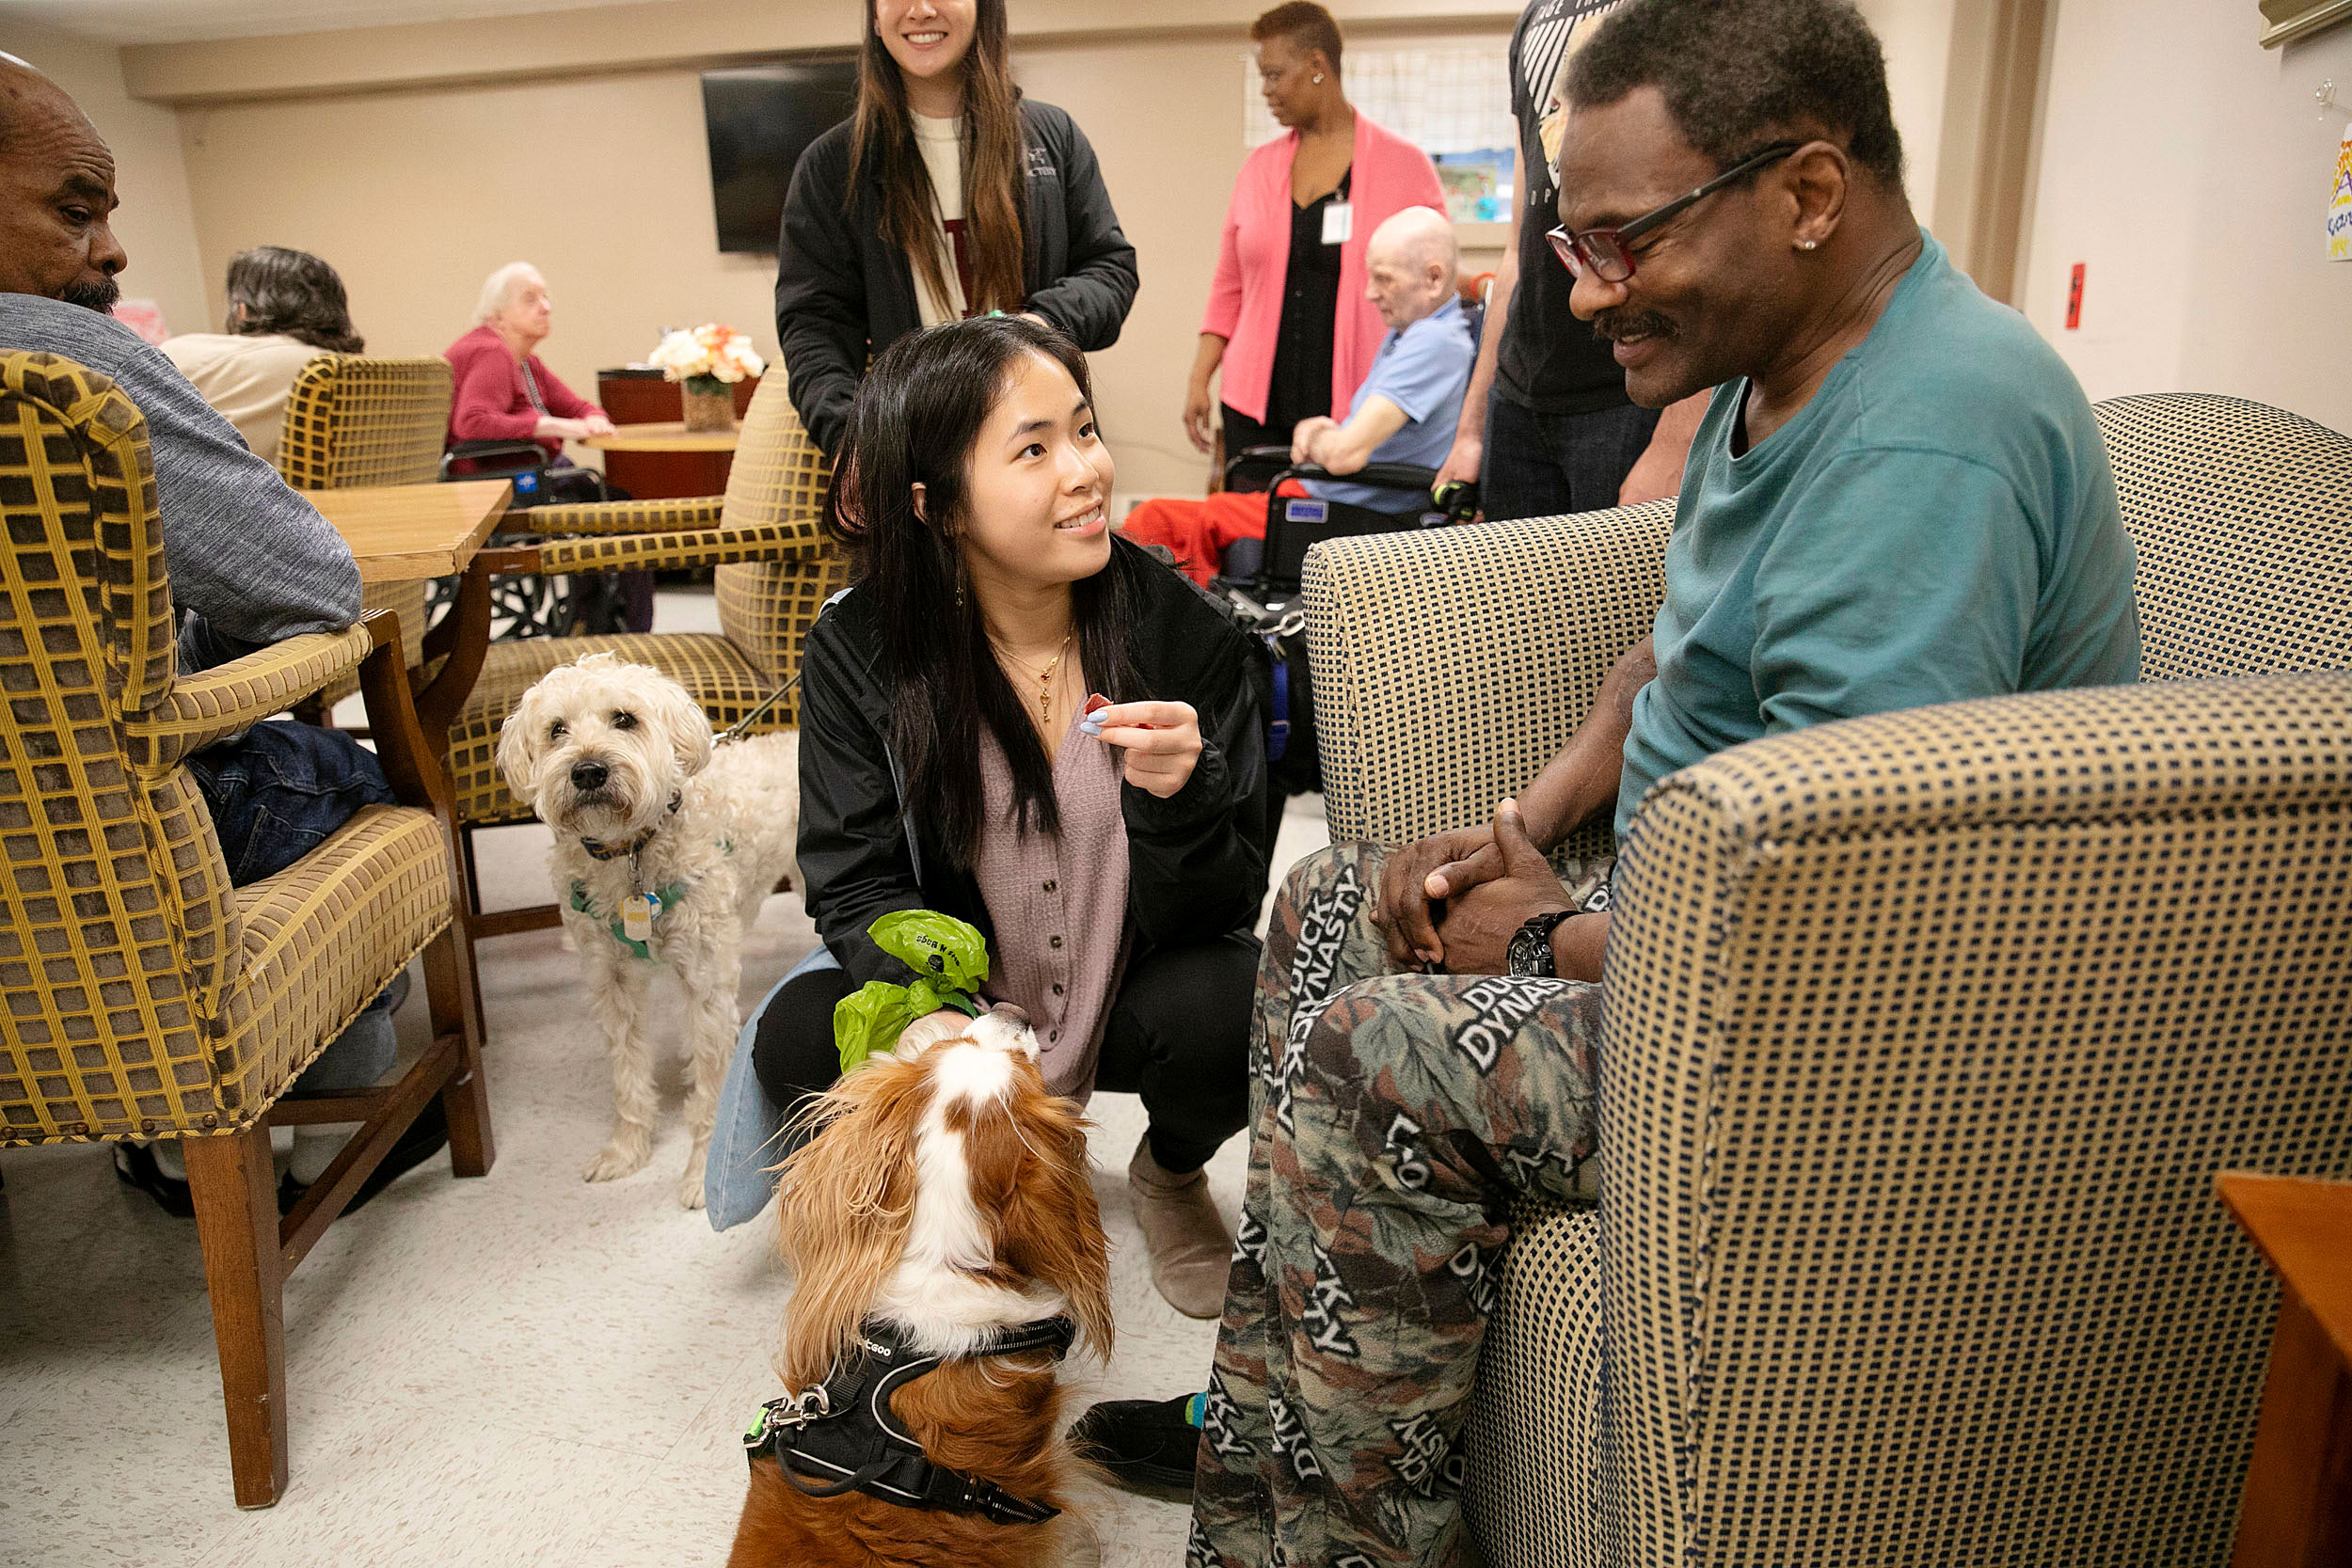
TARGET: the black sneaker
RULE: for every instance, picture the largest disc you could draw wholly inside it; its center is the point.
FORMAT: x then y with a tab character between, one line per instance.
1144	1445
426	1136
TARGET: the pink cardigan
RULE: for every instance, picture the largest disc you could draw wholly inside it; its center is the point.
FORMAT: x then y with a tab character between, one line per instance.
1389	174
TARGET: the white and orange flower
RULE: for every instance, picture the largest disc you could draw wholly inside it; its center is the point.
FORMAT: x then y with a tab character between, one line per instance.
711	353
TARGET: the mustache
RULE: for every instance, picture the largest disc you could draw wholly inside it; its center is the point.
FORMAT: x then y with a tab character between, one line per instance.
99	297
1615	326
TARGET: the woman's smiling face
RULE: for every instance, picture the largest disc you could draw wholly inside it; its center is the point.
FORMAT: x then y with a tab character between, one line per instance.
926	37
1040	483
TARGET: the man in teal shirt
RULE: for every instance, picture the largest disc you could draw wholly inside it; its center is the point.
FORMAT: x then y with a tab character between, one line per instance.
1898	497
1937	522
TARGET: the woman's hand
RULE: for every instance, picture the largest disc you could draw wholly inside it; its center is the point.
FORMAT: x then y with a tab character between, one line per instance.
1198	405
1162	741
597	423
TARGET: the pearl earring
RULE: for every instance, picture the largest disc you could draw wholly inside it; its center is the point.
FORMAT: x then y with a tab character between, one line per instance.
1318	78
1808	244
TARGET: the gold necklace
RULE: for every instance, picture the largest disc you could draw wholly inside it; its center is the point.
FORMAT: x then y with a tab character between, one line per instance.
1045	676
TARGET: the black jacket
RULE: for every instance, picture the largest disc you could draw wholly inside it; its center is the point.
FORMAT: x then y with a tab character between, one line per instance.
844	293
1197	860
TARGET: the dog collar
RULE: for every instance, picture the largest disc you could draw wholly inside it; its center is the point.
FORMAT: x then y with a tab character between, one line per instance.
612	852
843	1435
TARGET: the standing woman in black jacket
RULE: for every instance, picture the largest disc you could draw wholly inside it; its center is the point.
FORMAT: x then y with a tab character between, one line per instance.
1117	865
945	196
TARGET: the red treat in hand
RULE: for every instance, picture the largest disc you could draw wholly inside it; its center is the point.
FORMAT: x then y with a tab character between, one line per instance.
1096	703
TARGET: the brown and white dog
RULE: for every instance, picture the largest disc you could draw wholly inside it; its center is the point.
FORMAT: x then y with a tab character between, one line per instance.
944	1202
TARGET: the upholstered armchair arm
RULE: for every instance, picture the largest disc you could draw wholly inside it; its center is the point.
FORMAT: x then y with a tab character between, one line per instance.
232	697
669	552
606	517
1451	664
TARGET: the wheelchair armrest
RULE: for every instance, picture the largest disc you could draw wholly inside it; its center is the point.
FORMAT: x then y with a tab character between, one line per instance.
1409	476
534	456
1256	463
1274	464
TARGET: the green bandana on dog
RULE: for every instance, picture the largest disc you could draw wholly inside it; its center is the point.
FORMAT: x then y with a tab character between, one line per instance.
949	959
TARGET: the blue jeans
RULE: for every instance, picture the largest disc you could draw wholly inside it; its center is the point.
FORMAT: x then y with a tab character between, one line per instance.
1548	465
275	793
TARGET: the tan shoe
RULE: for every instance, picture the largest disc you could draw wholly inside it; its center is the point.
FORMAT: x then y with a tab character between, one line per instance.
1191	1250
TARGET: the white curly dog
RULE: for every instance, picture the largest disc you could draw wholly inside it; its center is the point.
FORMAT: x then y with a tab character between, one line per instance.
664	848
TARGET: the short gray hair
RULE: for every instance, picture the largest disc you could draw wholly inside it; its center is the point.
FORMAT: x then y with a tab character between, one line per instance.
497	290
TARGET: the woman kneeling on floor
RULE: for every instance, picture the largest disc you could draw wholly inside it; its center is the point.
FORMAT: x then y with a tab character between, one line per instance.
1116	860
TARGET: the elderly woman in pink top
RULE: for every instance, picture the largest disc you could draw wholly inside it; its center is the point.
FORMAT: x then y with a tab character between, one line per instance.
1288	323
504	391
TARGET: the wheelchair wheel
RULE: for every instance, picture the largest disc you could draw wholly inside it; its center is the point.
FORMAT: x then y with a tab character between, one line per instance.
533	606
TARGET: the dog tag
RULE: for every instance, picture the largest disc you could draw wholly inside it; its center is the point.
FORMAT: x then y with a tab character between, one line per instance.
639	911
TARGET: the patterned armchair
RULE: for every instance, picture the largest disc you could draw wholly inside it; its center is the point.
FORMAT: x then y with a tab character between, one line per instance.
776	570
145	996
354	421
1925	1036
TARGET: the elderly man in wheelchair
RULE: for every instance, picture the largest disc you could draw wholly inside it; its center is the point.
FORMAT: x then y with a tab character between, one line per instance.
1370	474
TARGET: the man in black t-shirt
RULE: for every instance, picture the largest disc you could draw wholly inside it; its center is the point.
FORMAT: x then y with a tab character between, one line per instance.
1546	417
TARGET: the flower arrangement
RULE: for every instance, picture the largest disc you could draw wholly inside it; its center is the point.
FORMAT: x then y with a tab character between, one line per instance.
706	357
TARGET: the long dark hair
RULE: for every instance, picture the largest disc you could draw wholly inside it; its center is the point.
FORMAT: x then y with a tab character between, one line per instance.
996	164
293	292
917	418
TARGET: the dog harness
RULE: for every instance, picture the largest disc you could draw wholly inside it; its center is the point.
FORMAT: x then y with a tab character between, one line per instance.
843	1430
665	897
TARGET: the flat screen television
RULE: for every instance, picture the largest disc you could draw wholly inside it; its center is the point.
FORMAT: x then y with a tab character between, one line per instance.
759	120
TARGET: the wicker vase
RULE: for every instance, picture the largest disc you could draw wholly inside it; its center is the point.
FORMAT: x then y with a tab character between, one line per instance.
709	404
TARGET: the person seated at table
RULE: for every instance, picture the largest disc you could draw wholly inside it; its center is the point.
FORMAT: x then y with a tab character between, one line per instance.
250	563
1405	411
1898	497
285	309
504	391
945	196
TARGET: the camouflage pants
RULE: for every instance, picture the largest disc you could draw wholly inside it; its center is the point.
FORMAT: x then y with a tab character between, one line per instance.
1395	1118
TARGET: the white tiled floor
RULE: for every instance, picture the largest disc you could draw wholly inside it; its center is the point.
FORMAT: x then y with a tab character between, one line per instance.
523	1370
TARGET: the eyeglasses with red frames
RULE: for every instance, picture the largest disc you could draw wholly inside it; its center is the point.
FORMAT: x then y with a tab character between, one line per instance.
1608	253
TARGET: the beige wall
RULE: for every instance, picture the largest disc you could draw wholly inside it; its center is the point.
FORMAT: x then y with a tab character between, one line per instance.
603	180
154	223
1917	36
2187	167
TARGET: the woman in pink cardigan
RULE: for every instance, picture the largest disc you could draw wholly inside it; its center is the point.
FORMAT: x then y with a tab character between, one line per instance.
1288	321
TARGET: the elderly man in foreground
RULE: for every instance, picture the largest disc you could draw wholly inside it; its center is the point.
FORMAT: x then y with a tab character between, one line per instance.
1404	412
1898	497
250	561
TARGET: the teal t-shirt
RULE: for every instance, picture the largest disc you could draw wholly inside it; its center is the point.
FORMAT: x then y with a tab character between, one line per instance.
1938	523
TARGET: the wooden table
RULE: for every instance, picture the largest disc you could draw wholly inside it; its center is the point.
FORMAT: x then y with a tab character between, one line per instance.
668	435
405	532
2296	1511
402	532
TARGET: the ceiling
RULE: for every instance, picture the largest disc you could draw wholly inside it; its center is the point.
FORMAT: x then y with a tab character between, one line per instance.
188	21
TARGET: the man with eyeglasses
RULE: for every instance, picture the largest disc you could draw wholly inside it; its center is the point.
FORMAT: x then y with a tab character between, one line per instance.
1898	497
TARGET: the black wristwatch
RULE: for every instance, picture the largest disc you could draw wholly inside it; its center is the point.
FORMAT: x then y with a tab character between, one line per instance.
1531	946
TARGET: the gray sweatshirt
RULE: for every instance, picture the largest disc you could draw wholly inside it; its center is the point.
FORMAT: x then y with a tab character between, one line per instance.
248	555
